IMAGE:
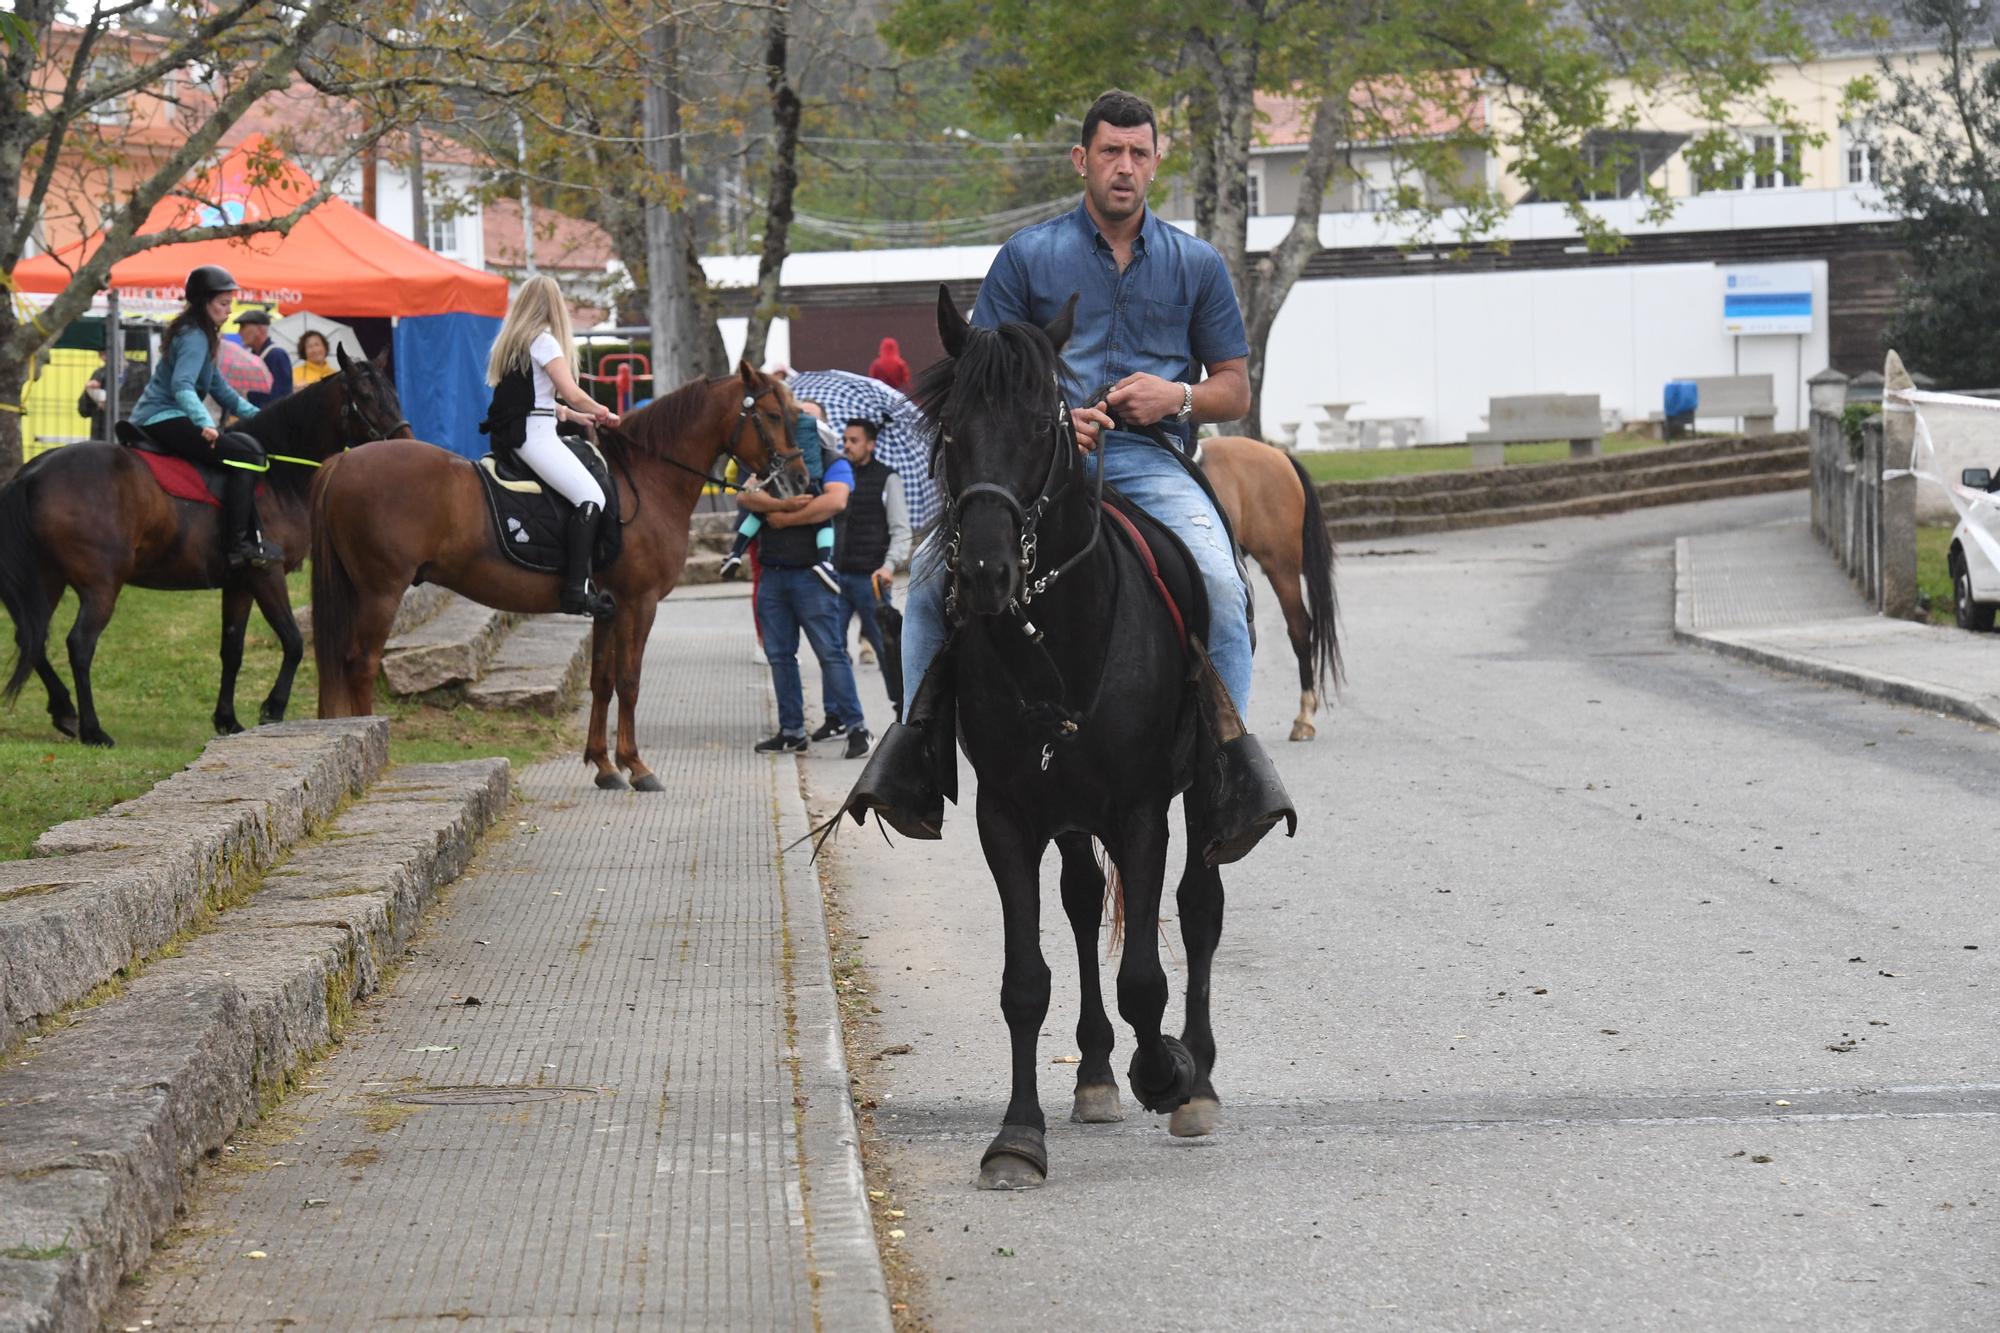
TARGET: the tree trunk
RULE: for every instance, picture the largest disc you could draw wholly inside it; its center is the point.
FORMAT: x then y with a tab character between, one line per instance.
13	380
785	111
1223	163
710	356
666	274
420	222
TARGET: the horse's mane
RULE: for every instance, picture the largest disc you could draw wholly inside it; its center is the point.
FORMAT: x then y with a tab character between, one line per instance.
993	366
653	429
291	418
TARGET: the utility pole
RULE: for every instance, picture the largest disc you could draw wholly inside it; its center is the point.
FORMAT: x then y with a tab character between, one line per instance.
527	204
420	222
666	274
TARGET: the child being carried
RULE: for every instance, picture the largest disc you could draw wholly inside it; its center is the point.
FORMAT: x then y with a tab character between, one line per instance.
815	440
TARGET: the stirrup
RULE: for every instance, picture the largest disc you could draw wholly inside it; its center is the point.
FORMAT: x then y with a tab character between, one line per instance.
255	552
899	785
1245	799
589	600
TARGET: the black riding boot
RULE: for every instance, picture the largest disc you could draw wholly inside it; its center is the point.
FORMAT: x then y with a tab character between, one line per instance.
1241	790
914	768
580	595
242	543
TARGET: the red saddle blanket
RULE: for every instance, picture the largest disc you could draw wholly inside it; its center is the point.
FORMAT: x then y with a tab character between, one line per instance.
182	479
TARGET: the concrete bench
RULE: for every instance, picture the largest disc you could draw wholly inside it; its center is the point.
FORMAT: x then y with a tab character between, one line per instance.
1532	418
1402	429
1749	399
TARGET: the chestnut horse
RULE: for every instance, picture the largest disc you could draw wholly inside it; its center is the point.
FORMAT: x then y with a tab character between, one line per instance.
1275	511
396	513
91	517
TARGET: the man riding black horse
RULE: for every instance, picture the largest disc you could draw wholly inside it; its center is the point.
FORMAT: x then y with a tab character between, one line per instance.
1154	309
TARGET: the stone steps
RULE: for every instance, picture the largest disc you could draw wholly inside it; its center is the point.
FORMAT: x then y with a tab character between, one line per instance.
446	652
540	666
1488	496
105	891
104	1116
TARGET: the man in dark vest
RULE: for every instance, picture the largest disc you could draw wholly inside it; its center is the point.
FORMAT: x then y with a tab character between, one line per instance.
790	598
871	538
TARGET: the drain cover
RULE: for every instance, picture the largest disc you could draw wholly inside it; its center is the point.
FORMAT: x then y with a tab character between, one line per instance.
476	1094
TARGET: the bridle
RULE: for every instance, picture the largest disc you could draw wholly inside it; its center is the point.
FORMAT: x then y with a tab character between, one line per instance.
779	456
1060	477
354	425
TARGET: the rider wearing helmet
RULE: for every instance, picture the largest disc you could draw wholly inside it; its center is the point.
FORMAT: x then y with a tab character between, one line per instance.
172	413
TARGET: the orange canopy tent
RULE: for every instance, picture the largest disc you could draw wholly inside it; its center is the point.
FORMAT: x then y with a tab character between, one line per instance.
336	261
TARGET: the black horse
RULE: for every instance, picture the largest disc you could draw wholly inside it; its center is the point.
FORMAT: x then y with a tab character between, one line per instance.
1076	708
91	517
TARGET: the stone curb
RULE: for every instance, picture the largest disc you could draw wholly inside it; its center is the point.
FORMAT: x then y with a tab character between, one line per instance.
1757	483
1638	460
539	667
103	1124
448	651
105	890
1880	685
849	1289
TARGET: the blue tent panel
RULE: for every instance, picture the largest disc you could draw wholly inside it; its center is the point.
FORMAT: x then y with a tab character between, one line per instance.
441	376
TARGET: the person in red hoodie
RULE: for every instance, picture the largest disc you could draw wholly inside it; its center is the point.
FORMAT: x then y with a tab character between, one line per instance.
890	367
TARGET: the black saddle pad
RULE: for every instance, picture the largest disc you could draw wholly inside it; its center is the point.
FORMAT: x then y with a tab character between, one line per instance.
528	517
1178	570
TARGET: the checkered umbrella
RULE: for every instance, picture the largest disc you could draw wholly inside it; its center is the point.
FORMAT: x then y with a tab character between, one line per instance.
901	443
243	368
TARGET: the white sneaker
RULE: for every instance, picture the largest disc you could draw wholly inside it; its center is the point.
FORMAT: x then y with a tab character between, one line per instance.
867	655
757	654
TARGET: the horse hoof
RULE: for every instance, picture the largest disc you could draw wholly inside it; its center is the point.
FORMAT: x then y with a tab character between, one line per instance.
66	724
1017	1159
1180	1081
1303	731
612	782
97	738
267	715
648	782
1097	1104
1193	1119
227	726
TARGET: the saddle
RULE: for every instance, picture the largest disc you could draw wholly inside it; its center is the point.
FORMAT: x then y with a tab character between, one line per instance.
179	477
1175	576
528	517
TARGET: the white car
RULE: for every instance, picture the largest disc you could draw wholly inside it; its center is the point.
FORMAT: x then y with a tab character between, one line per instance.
1975	571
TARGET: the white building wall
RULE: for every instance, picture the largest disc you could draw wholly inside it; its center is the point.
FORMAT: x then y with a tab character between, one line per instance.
447	184
1437	346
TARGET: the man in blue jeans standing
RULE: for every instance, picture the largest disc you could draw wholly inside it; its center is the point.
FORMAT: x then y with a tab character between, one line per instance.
1155	309
790	598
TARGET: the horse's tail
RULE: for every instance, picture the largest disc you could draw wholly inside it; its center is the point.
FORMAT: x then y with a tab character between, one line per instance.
23	587
1316	560
335	604
1114	898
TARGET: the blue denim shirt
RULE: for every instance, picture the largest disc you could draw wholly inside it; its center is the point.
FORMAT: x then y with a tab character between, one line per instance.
1170	313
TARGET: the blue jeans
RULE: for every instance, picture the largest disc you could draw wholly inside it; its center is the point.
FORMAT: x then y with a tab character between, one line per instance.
857	598
790	600
1160	486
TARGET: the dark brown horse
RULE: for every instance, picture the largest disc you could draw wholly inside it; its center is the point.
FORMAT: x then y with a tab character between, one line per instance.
91	517
1275	511
395	513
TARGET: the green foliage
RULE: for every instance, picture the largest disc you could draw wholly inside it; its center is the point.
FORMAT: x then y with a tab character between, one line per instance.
1934	590
1852	418
1938	136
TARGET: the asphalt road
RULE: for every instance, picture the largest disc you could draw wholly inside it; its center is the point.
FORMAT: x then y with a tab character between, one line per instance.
1608	985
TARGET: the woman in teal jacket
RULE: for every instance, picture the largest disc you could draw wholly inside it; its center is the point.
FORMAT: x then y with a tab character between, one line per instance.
172	413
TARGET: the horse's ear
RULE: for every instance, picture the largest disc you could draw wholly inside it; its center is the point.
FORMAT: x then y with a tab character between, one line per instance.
346	361
753	379
1059	329
381	359
952	328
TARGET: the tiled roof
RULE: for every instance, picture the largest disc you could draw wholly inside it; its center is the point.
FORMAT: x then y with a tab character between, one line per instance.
561	242
1287	122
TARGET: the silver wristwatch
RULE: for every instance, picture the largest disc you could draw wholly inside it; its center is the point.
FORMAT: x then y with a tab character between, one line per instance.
1187	403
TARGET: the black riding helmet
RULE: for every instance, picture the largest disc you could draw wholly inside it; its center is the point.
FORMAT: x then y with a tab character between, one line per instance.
208	281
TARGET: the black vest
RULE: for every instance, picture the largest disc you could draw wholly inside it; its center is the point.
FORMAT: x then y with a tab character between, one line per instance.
788	548
861	541
506	423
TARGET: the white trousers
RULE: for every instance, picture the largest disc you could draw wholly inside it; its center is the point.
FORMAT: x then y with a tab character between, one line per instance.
557	466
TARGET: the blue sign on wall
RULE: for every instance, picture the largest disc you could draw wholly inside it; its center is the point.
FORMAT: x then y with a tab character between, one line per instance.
1767	298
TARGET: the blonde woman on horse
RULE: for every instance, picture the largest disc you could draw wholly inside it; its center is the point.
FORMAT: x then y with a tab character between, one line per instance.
533	374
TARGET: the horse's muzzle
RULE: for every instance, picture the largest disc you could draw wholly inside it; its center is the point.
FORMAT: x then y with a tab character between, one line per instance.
987	587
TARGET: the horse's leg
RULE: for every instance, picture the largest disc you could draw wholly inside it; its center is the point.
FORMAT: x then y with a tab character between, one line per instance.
235	620
1083	899
634	627
1285	576
274	599
1200	903
603	672
374	617
1162	1072
62	709
1018	1156
94	606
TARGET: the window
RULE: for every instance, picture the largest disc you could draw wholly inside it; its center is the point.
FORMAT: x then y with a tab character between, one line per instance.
1778	166
443	232
1254	189
110	110
1863	167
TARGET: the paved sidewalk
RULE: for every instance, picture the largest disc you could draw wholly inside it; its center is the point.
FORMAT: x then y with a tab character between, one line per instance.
1774	595
606	1089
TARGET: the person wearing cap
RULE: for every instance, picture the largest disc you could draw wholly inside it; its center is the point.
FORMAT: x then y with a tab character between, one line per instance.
254	327
172	414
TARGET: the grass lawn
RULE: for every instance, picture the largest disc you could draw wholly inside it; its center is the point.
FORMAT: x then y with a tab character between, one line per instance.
1933	578
156	675
1351	465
